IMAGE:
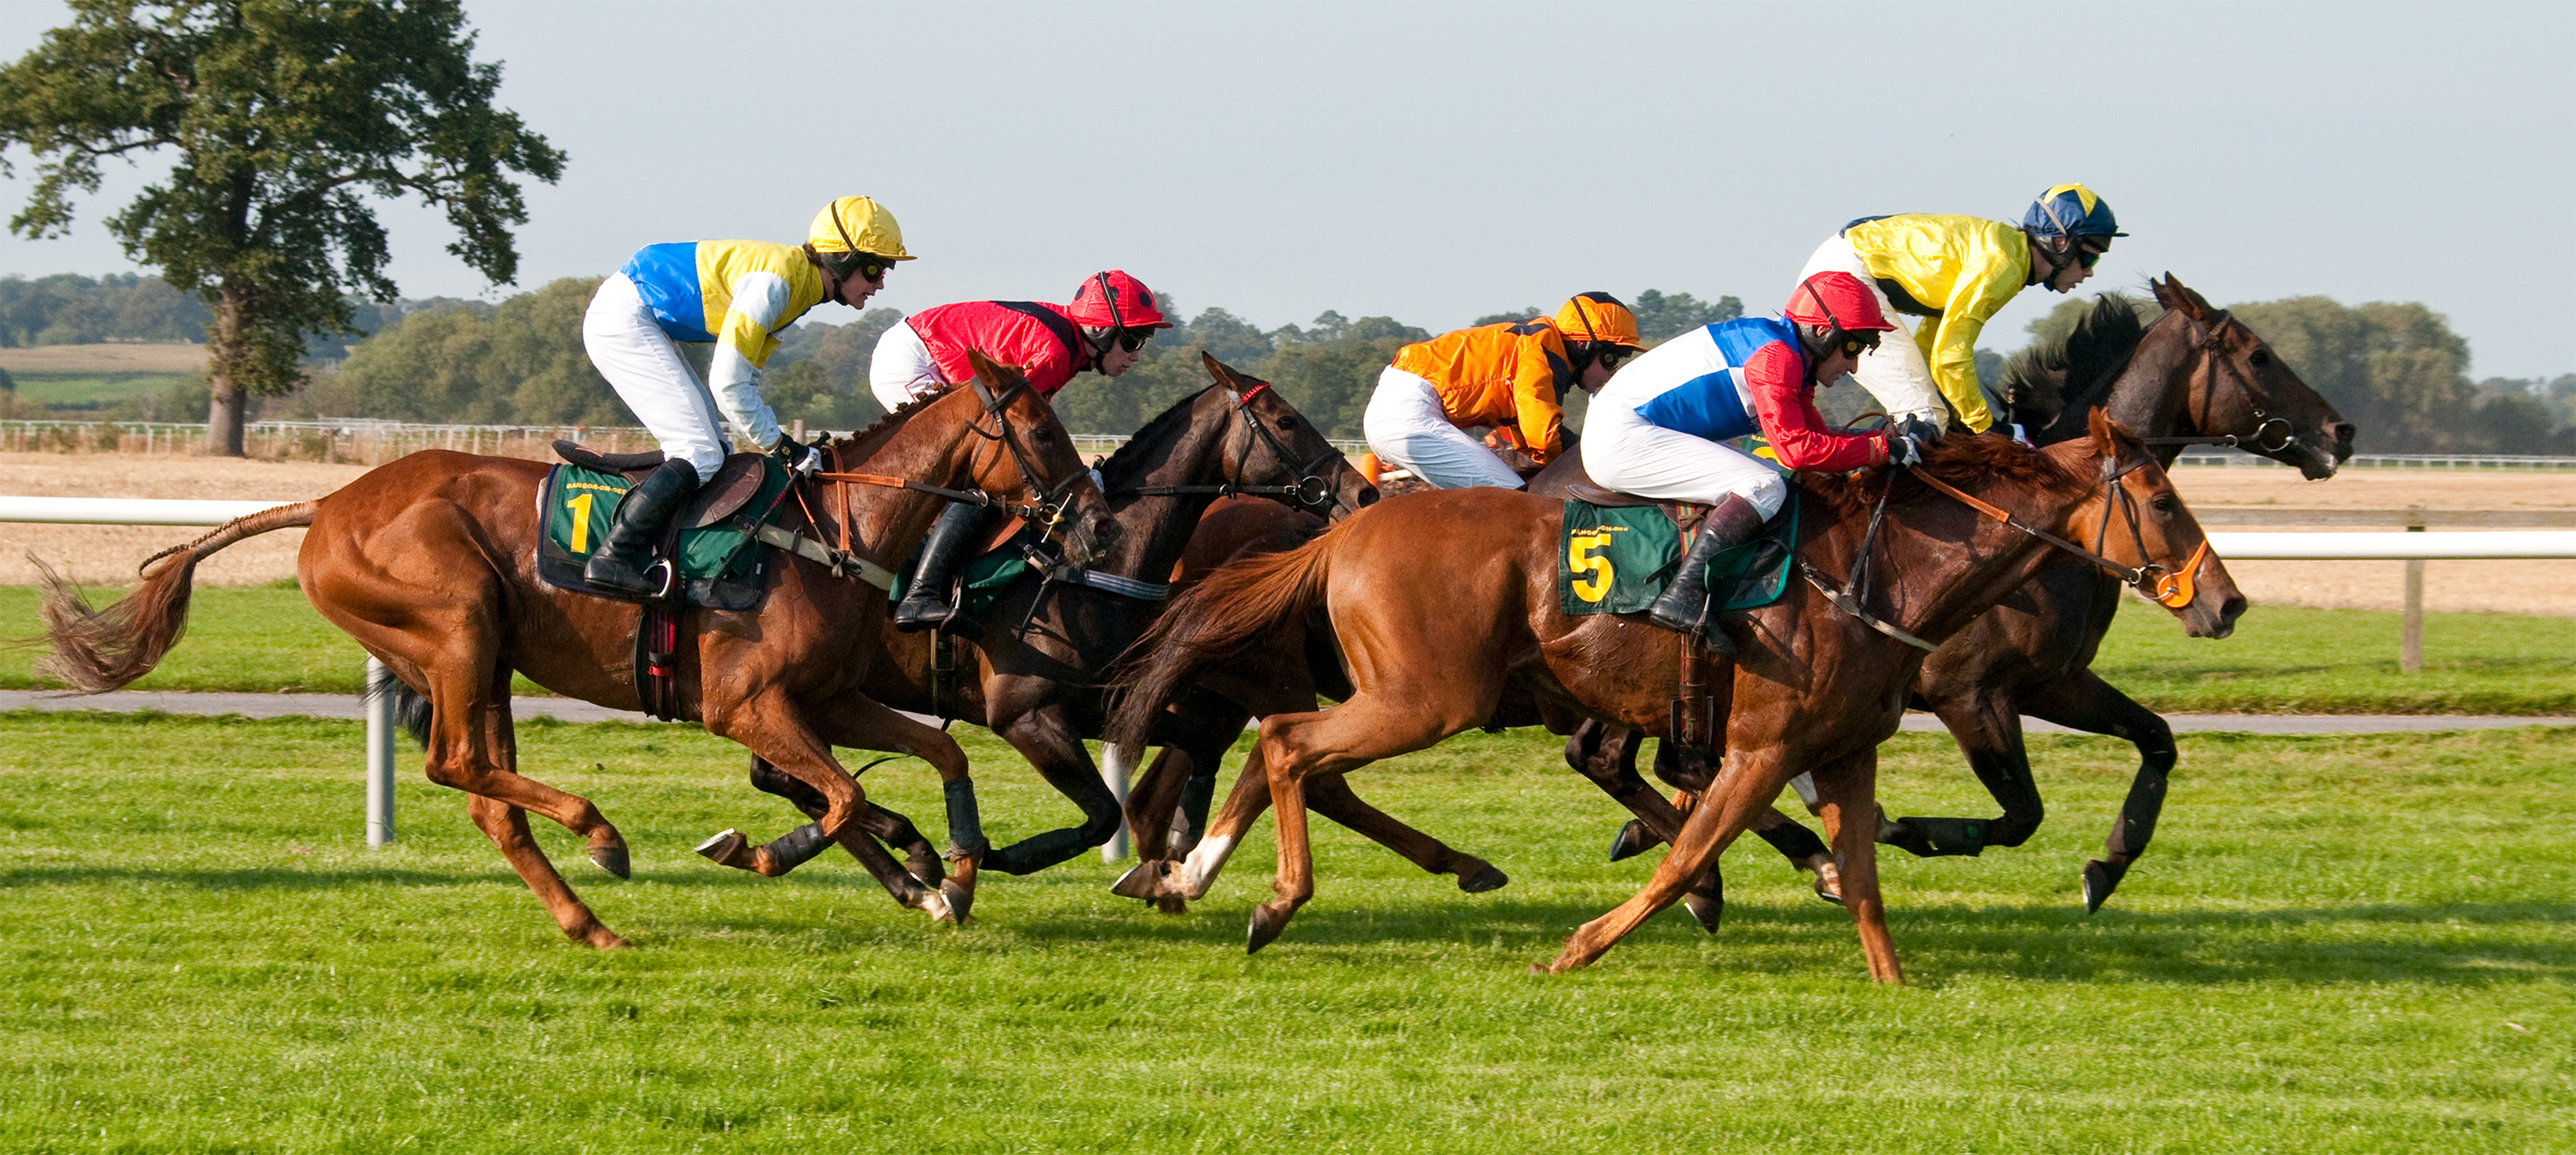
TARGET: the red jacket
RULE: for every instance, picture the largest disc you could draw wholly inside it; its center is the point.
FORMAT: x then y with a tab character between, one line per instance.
1033	335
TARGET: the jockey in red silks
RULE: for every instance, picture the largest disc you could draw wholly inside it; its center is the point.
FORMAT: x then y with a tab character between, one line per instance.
1104	329
1655	429
735	295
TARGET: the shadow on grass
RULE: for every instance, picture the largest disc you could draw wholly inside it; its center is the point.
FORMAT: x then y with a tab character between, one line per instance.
239	878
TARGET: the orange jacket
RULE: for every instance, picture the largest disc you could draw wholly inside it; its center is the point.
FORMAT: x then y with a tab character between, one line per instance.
1507	376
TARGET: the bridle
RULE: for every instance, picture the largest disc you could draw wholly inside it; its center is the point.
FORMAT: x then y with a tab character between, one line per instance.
1311	490
1047	512
2171	587
2208	336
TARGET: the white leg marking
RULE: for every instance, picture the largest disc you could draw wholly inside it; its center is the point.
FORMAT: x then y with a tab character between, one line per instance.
1199	871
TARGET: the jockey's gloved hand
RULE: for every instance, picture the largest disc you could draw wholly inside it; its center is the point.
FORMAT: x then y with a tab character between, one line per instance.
1910	440
801	460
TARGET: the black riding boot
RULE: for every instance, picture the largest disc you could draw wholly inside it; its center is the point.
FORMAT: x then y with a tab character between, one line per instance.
927	606
1685	605
625	558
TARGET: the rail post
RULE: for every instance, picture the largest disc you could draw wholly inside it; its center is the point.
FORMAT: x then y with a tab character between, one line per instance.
380	756
2410	641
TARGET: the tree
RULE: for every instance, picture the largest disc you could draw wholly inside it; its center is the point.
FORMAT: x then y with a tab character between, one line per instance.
280	115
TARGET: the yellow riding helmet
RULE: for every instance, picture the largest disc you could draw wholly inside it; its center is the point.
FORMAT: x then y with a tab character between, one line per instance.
857	225
1598	317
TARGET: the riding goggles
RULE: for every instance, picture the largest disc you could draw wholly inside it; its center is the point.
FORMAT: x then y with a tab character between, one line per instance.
2088	256
1855	344
1131	339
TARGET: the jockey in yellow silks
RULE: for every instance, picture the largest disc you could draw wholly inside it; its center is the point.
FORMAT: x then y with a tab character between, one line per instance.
1952	274
735	295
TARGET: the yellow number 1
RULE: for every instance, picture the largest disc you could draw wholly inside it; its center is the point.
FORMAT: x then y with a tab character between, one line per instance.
1580	558
580	507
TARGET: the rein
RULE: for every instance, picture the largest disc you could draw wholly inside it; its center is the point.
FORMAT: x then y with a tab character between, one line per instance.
2151	580
2267	427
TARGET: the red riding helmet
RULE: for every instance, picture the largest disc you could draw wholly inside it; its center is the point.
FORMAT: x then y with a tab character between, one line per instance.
1837	299
1114	300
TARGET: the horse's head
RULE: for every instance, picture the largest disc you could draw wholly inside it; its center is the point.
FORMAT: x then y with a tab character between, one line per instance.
1272	445
2142	524
1034	463
2241	388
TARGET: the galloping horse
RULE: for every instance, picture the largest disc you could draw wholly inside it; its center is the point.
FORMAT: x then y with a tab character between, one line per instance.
430	563
1819	684
1039	685
2195	376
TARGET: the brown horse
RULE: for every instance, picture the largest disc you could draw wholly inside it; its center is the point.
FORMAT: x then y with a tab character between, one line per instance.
1817	688
430	563
2195	376
1036	678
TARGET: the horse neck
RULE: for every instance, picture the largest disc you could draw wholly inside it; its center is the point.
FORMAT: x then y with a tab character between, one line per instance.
2151	394
1942	567
1155	530
928	447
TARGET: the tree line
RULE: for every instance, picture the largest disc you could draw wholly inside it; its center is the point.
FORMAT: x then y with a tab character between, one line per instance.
2394	369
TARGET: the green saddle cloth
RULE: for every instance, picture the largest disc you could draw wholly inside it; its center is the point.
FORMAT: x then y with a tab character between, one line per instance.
986	575
1618	559
720	566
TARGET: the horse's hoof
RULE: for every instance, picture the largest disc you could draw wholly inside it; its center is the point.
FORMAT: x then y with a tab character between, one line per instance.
1827	891
1708	909
1540	969
1631	841
2100	879
612	858
1172	904
602	938
728	848
1484	880
960	896
934	904
1143	880
1265	928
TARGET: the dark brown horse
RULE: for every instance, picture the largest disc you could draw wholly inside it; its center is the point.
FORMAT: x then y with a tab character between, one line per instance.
430	563
2195	376
1816	689
1036	678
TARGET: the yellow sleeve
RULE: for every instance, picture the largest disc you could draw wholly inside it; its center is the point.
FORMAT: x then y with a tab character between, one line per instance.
1989	278
1534	394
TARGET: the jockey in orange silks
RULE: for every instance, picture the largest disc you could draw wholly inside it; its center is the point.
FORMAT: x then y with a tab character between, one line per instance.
1507	376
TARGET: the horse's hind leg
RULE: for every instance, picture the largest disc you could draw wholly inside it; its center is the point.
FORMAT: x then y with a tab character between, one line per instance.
2085	702
1987	725
1330	795
1372	724
1047	740
507	827
887	827
775	728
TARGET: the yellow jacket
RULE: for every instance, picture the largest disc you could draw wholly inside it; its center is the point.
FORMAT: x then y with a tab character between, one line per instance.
1959	269
737	294
1507	376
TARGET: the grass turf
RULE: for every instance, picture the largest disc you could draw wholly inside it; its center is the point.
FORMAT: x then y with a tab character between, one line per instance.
2282	660
2336	944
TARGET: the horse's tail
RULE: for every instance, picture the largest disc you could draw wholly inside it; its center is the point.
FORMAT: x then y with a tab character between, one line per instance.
100	650
1211	622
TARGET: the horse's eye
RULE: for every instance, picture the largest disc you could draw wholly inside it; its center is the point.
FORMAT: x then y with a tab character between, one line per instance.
2260	358
2165	503
1287	423
1042	435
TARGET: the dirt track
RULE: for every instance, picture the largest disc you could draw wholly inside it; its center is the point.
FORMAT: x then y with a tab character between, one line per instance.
107	554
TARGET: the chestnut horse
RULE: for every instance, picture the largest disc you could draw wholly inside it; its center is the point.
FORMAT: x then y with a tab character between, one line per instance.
1445	603
430	563
2195	376
1035	679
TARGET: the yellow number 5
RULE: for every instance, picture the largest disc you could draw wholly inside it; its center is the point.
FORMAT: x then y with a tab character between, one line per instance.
1595	584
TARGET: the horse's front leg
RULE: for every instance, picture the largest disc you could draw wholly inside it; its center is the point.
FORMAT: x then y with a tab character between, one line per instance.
1847	793
1986	723
1174	884
889	828
1047	740
2085	702
1724	812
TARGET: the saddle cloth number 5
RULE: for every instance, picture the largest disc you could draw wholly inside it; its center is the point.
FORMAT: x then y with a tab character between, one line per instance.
1580	558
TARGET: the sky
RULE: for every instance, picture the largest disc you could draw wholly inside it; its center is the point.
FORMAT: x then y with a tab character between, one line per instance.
1439	162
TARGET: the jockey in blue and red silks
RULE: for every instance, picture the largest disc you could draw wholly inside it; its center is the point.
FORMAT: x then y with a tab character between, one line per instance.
1654	430
1104	329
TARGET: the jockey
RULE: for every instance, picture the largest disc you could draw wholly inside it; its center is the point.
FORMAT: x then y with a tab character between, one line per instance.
1654	430
1104	329
1956	272
737	295
1507	376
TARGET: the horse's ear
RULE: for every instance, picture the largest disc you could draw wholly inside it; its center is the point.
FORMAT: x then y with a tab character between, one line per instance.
2110	438
1217	369
2176	298
994	373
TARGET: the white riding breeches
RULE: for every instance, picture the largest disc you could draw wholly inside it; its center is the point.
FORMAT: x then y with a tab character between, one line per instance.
1407	426
902	371
644	365
1895	372
1627	453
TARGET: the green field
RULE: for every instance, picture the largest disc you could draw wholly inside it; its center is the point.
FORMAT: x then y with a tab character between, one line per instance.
2280	661
91	390
2348	944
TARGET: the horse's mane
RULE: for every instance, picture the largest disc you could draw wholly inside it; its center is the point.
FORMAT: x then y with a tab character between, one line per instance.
892	421
2036	380
1959	459
1151	431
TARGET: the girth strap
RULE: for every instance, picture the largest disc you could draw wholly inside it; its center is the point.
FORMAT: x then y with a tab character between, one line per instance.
842	562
